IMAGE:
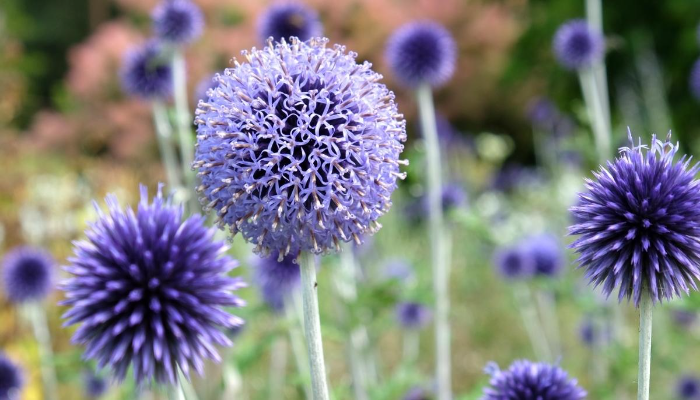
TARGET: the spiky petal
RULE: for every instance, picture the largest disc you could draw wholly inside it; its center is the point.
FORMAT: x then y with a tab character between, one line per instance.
525	380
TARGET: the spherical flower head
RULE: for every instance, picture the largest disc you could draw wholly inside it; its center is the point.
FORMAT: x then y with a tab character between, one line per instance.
514	262
146	72
694	80
413	315
688	388
547	253
641	218
27	274
95	385
421	52
298	148
277	278
177	21
10	379
287	20
525	380
684	318
149	288
577	45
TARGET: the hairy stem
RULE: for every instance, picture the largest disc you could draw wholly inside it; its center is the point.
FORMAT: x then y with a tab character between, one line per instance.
645	307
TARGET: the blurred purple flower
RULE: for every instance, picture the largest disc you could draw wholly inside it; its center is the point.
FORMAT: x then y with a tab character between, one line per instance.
11	379
150	289
306	161
525	380
146	72
514	262
421	52
412	315
286	20
511	177
577	45
177	21
416	393
27	274
694	80
547	253
684	318
688	388
277	279
641	217
95	385
398	269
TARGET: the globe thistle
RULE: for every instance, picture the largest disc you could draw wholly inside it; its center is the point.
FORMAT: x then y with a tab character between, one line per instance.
641	218
525	380
421	52
149	288
514	262
684	318
95	385
413	315
27	274
298	148
277	278
542	113
694	80
416	393
11	379
547	254
146	72
177	21
287	20
688	388
577	45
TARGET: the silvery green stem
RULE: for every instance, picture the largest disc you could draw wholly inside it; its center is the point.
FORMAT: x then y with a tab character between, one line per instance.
184	388
531	321
164	134
312	326
295	320
591	96
548	309
37	317
183	122
278	368
437	243
411	345
594	15
645	306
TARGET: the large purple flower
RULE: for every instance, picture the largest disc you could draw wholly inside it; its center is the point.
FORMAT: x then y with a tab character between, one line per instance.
149	289
525	380
577	45
277	279
298	148
27	274
639	224
287	20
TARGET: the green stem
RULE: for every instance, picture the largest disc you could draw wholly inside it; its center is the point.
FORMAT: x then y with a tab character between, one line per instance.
295	320
312	325
426	110
531	321
183	122
164	135
37	317
601	127
411	345
278	368
548	309
645	307
594	14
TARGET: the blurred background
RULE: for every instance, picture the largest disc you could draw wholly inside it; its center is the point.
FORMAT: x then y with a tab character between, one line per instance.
68	134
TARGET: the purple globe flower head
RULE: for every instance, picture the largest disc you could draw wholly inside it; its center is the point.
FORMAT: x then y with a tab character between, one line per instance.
399	269
421	52
641	221
146	72
694	80
688	388
577	45
417	393
95	385
27	274
514	262
547	253
298	148
413	315
525	380
287	20
684	318
277	278
149	289
542	113
11	379
453	196
177	21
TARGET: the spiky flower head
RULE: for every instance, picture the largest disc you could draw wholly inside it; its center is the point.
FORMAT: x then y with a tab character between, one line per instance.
95	385
525	380
694	80
298	148
27	274
277	279
640	223
146	72
547	253
688	388
287	20
577	45
11	380
413	315
177	21
514	262
421	52
149	288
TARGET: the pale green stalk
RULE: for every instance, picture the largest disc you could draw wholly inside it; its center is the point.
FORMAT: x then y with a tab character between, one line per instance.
411	346
531	321
594	15
645	307
548	309
312	325
295	321
183	123
436	232
164	135
278	368
37	317
184	389
592	98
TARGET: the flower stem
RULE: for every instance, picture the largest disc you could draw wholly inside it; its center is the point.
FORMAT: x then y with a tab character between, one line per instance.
437	243
183	122
411	346
312	325
37	317
165	144
594	15
278	368
645	307
296	339
531	321
600	124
